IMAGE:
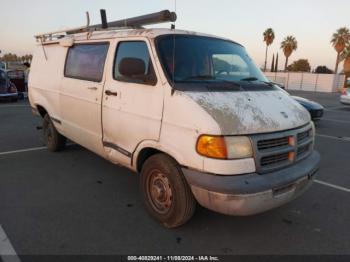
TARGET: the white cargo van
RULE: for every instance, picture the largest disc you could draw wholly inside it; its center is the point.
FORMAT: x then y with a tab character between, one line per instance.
189	112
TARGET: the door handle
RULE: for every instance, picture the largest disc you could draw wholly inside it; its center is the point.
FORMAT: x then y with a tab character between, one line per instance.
92	88
110	93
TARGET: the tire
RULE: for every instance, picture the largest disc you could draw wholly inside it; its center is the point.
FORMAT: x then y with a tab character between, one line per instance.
165	192
53	140
20	96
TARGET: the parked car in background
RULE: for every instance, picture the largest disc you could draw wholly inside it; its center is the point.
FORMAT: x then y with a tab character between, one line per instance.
8	90
345	97
315	109
15	65
17	76
2	65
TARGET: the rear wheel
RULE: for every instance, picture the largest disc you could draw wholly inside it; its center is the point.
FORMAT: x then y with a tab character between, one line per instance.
53	140
166	194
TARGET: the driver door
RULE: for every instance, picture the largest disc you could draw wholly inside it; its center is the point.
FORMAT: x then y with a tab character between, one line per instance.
132	100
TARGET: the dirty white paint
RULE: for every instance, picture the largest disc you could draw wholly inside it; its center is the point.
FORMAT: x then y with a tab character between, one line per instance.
252	112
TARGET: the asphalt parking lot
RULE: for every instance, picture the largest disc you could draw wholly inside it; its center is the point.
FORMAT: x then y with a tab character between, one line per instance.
75	202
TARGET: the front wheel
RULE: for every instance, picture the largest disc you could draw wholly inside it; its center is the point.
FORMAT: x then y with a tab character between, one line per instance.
166	194
53	140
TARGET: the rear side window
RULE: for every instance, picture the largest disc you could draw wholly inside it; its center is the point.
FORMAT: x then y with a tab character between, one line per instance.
86	61
133	63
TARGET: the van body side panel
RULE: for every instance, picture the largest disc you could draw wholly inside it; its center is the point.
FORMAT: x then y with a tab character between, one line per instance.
183	122
131	116
45	78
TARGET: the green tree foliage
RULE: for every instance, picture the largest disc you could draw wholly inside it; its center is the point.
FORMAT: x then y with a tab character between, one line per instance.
301	65
288	45
345	56
9	57
323	70
269	36
340	39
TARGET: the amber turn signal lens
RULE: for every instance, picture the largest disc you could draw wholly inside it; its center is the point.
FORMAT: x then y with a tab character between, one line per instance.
212	146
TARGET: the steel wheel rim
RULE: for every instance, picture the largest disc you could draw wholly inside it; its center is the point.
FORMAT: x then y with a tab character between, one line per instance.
159	192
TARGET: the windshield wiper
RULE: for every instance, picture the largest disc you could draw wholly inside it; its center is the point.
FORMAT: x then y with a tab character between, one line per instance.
200	77
249	79
211	77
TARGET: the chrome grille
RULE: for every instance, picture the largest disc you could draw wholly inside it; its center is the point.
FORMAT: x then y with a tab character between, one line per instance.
302	150
304	135
272	143
281	149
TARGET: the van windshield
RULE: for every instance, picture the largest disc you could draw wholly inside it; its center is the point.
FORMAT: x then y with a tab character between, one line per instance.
196	59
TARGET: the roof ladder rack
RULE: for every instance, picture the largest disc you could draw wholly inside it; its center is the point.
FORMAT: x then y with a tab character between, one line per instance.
129	23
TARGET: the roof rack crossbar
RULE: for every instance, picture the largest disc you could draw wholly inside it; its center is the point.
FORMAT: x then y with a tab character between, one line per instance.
129	23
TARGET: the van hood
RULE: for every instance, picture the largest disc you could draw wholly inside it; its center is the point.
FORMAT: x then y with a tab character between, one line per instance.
251	112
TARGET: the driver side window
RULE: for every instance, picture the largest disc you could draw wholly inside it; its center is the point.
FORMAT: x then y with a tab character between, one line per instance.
133	63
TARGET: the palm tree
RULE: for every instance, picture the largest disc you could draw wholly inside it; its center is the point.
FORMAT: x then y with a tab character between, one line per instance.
269	36
339	40
288	45
345	56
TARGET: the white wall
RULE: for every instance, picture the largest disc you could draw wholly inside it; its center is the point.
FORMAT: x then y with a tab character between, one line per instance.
307	81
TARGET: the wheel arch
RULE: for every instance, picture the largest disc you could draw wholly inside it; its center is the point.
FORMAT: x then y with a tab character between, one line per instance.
148	149
42	110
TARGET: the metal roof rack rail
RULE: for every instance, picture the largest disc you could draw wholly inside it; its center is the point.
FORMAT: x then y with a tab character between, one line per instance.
129	23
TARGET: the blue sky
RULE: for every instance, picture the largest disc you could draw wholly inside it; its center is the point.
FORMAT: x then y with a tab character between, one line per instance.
311	22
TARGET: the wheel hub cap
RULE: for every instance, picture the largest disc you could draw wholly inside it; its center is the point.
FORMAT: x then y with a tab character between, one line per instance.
160	192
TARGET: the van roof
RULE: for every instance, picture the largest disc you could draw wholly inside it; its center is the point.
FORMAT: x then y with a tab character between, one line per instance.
121	33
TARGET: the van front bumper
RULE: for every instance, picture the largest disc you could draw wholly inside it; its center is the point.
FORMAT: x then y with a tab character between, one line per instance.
249	194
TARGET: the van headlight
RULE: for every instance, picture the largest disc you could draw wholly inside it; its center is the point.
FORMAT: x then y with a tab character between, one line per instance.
224	147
